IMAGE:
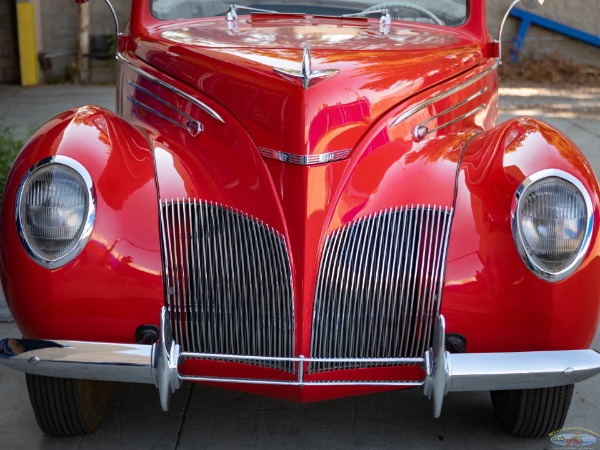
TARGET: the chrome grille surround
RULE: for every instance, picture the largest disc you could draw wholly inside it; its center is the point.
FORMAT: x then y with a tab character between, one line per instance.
379	287
228	283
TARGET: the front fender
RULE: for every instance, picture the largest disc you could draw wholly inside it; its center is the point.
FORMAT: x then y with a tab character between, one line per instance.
490	296
115	284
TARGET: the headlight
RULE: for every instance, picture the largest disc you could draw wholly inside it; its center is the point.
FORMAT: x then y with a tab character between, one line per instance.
552	223
55	210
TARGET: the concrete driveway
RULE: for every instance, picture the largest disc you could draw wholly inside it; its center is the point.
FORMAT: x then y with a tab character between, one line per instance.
205	417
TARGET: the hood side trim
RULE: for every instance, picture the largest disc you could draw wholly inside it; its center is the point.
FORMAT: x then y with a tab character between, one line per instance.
405	115
211	112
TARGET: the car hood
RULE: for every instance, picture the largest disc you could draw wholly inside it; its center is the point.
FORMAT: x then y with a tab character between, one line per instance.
369	71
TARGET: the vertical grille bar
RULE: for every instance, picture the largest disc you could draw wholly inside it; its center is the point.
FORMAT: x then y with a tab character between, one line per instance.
379	286
228	282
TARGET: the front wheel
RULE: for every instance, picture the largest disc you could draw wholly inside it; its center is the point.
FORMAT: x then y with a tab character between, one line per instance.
532	412
67	407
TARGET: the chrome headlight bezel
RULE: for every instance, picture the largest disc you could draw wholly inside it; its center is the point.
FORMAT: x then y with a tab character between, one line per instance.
88	220
529	259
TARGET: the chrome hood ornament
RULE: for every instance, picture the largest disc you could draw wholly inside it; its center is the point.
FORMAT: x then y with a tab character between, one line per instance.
305	74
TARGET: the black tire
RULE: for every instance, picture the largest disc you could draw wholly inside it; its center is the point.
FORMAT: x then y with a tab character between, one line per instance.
533	412
66	407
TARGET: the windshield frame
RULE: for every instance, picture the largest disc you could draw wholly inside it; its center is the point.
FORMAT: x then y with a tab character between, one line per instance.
142	24
420	14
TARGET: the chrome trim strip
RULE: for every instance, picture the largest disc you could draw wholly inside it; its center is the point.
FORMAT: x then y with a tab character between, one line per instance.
458	119
167	263
193	126
457	105
305	160
300	363
299	359
89	219
173	89
157	113
415	109
517	236
420	131
301	382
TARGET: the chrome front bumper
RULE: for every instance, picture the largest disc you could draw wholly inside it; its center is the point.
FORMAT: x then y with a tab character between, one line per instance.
158	364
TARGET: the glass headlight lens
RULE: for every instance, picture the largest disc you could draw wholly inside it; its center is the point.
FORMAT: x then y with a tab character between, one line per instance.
55	210
554	222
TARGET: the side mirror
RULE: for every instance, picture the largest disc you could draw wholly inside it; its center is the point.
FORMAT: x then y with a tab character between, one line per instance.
529	4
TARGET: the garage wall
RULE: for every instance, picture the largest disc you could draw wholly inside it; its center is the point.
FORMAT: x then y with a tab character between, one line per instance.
9	50
581	14
59	20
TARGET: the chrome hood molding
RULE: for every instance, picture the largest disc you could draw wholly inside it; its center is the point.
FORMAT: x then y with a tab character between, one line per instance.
307	77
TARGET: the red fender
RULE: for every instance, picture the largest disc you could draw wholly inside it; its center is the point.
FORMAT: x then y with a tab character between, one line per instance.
490	296
115	284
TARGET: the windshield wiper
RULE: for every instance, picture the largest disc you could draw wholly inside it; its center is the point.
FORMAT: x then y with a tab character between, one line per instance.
232	13
385	19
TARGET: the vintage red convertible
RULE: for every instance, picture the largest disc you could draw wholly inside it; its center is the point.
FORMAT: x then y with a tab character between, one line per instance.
305	200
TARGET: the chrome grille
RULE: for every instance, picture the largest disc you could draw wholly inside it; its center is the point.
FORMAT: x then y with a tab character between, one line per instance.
229	284
379	286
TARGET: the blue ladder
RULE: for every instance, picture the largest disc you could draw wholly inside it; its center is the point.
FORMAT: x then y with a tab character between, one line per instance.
528	18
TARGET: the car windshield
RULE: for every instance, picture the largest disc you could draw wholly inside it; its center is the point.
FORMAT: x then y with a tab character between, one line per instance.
440	12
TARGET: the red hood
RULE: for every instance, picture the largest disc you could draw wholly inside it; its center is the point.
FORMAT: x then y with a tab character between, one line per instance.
376	72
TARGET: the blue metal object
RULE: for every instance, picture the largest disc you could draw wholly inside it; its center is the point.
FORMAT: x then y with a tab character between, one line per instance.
528	18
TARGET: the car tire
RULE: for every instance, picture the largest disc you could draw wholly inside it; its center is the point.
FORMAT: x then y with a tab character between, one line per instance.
67	407
532	412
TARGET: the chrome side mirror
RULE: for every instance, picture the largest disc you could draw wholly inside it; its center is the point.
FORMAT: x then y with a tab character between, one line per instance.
529	4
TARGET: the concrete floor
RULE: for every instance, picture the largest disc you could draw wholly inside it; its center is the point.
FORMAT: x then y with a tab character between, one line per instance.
205	417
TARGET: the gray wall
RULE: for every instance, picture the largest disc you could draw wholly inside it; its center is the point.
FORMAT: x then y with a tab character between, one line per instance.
58	38
581	14
60	17
9	51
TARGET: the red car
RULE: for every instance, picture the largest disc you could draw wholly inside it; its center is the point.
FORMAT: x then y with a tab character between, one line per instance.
305	200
